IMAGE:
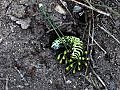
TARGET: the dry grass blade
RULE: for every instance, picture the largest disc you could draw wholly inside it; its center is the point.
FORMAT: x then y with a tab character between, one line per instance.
92	8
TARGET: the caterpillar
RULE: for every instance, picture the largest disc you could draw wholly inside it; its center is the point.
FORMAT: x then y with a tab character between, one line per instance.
75	56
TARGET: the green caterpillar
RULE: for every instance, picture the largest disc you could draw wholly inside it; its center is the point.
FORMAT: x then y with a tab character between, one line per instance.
75	56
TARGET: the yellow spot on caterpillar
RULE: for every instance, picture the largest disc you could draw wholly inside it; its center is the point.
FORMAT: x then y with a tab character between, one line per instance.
71	65
74	71
66	61
71	60
67	68
58	57
80	58
90	51
86	52
83	58
61	61
86	64
79	63
63	57
65	52
79	68
87	59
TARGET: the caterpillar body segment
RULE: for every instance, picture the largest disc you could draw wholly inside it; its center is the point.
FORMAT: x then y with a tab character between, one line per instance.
75	56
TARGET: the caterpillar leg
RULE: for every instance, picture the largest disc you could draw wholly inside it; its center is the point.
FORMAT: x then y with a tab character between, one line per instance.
86	54
79	66
74	70
70	65
62	57
66	54
67	68
59	57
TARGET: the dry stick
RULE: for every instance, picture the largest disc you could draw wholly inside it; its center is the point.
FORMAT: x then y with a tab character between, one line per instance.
98	78
88	43
94	82
89	28
93	28
92	8
95	43
91	52
91	49
109	33
91	20
98	45
92	13
89	80
91	36
6	85
109	8
89	3
21	75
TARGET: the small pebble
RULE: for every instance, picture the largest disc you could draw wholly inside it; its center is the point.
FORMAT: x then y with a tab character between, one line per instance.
77	9
25	23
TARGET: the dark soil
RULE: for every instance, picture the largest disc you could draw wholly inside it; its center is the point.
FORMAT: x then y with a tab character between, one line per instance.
26	59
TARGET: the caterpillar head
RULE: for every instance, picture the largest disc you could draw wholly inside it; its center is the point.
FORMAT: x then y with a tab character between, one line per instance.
56	45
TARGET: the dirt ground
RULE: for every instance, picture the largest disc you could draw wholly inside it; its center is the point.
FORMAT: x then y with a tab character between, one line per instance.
26	59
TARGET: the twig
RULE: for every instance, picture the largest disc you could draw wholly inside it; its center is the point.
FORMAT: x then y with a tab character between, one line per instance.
98	78
98	45
91	26
6	85
109	33
20	74
89	3
93	81
6	80
89	30
89	80
109	8
93	8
